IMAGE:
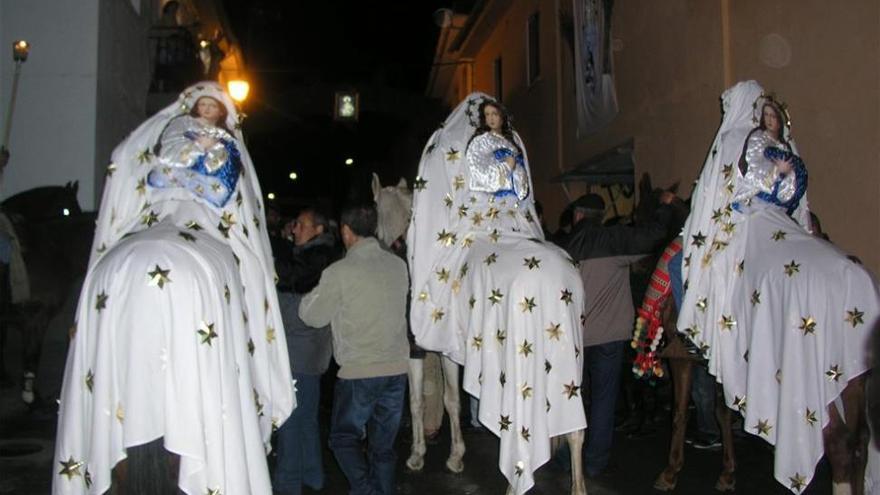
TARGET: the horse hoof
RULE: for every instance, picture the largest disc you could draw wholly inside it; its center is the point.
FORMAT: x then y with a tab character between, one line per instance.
415	463
665	484
455	466
725	485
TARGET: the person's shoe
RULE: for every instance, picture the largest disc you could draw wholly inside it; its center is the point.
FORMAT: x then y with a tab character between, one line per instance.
702	443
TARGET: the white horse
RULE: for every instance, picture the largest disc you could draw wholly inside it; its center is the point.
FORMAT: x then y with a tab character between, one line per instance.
394	204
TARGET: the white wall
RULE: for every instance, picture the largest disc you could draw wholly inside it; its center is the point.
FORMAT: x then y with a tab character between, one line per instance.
53	129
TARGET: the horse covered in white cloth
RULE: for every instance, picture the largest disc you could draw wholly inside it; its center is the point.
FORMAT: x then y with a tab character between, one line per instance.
394	205
178	341
492	295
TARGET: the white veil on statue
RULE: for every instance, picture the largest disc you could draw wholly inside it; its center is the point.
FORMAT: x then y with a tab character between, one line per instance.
178	331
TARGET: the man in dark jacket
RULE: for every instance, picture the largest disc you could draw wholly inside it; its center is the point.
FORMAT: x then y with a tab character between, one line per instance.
299	444
604	255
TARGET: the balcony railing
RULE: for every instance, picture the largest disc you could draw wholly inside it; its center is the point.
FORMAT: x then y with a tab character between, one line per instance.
175	59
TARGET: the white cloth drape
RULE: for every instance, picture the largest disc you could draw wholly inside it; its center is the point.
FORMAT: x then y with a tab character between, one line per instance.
178	333
782	316
489	292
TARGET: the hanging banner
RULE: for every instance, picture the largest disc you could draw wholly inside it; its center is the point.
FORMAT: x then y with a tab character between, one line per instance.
596	98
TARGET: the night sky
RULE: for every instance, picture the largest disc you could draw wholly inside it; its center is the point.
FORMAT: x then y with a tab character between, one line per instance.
298	54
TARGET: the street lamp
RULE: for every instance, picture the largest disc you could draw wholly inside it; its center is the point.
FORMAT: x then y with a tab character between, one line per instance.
20	51
238	90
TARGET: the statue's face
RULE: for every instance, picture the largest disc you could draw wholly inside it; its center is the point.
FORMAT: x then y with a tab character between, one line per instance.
209	109
493	117
771	120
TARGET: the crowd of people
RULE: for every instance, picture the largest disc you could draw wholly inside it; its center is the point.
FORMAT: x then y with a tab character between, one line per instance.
482	286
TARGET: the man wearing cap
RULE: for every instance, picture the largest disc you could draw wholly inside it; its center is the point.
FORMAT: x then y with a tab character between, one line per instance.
604	255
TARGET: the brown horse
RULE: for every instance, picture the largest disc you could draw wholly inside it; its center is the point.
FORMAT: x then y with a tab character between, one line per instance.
845	437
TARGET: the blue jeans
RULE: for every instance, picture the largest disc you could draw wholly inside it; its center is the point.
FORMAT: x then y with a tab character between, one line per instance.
368	407
703	394
299	442
602	371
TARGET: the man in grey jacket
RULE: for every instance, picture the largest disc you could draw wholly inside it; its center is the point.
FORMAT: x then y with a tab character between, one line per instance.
363	298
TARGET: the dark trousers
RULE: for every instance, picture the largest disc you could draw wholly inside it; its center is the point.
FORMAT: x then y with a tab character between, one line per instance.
368	407
299	442
703	394
602	371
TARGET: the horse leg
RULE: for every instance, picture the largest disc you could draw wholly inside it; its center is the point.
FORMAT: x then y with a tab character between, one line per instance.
32	330
846	440
452	401
575	446
148	468
416	459
682	375
727	479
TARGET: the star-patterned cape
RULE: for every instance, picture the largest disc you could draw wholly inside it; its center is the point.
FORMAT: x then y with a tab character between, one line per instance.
178	333
782	316
489	292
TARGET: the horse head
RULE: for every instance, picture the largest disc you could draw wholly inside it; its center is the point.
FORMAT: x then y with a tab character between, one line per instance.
394	205
44	203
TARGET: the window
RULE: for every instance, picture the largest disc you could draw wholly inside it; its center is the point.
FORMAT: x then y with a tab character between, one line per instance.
534	48
499	84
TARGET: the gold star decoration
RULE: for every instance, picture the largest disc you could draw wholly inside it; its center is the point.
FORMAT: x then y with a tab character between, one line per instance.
492	258
150	218
447	200
452	155
527	304
718	245
423	296
519	469
727	322
855	317
472	301
797	482
477	219
462	211
500	336
692	332
88	478
144	156
463	270
728	228
570	389
251	347
446	238
756	297
270	334
494	236
727	170
496	296
808	325
101	249
492	213
525	348
763	427
702	302
477	342
256	220
717	215
70	468
525	391
502	378
214	491
566	297
554	331
239	200
525	433
193	225
159	277
456	286
442	275
698	240
779	235
110	169
226	294
187	236
834	373
467	241
142	186
740	267
792	268
207	333
120	412
547	366
101	301
228	218
90	380
532	263
258	403
739	403
458	182
419	184
504	423
810	417
687	260
437	315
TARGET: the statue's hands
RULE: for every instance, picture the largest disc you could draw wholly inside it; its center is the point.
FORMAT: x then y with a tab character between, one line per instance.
783	166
